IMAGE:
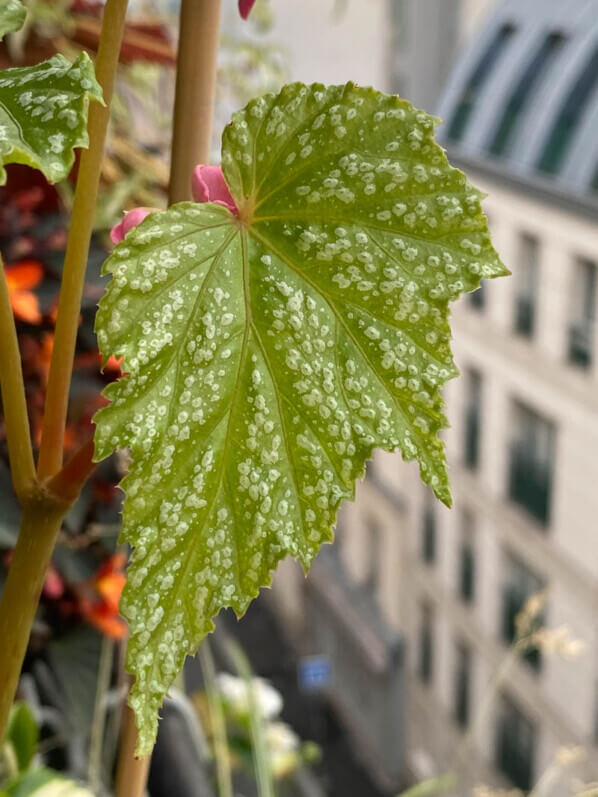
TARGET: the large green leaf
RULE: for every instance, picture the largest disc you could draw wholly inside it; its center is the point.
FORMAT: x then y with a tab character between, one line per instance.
43	114
267	355
12	16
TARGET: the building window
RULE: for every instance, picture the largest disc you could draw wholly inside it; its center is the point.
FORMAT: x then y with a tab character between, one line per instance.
472	89
471	443
477	298
428	539
462	684
526	286
540	62
374	542
583	315
515	745
531	463
426	644
467	558
519	585
561	135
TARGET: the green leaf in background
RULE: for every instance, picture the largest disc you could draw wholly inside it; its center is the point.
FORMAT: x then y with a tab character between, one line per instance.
268	354
22	734
12	16
44	783
43	114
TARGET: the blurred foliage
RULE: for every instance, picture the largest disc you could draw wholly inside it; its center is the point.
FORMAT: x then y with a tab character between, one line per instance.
19	777
135	170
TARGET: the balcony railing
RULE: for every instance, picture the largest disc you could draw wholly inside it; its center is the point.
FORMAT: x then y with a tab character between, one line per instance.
367	658
530	484
581	344
525	313
477	298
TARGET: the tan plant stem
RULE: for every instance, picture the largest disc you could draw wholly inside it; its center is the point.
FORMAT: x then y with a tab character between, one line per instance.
217	722
77	251
13	397
40	525
70	479
131	773
195	92
96	742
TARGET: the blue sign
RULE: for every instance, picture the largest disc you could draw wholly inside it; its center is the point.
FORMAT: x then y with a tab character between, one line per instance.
314	673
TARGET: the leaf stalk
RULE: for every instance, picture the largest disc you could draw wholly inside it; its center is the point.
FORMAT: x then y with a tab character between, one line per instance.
77	251
14	405
43	510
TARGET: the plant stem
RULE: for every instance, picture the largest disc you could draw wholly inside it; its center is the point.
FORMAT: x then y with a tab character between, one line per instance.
77	251
94	770
14	405
40	525
195	92
218	722
259	744
68	482
131	774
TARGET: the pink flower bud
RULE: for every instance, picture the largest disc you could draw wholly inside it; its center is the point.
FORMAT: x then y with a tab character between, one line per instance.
209	185
130	220
245	7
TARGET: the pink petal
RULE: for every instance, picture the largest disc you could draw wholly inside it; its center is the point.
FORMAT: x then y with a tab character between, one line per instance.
130	220
209	185
245	7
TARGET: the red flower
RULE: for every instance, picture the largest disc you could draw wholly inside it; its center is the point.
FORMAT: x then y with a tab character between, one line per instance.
99	604
21	278
245	7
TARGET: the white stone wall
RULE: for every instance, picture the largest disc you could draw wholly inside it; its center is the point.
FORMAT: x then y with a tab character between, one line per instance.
561	698
333	42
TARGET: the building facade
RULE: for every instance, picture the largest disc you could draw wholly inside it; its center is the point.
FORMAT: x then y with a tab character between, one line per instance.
521	117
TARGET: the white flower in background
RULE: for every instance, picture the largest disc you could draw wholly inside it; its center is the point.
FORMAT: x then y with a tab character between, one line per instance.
281	738
235	693
283	745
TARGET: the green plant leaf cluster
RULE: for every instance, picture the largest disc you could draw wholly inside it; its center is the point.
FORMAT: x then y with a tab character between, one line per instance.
267	354
44	783
12	16
21	736
43	114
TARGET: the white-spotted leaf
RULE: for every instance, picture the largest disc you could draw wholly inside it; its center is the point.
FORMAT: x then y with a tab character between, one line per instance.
267	354
43	114
12	16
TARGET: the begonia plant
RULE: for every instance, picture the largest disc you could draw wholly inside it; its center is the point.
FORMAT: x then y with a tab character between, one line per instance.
284	317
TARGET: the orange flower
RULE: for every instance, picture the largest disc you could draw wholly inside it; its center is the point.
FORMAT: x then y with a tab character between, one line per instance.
21	278
100	607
